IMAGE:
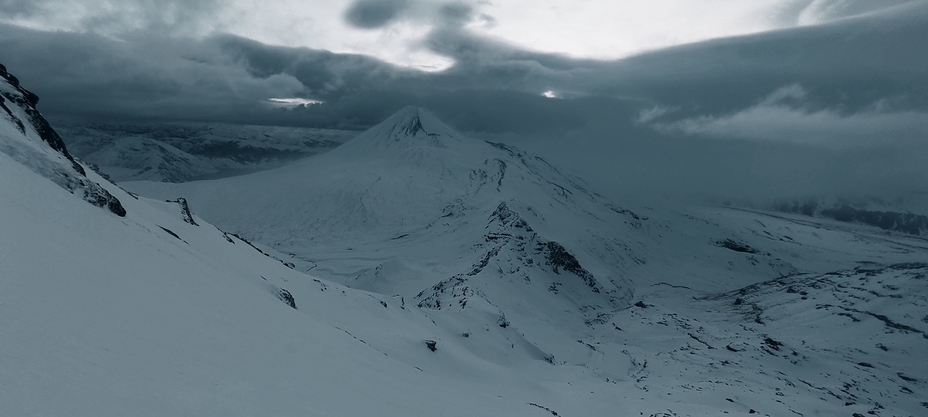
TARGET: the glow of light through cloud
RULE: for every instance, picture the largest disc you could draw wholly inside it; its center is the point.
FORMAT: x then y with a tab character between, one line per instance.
292	102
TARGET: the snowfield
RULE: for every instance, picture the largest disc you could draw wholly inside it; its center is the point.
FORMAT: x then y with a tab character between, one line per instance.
484	233
414	271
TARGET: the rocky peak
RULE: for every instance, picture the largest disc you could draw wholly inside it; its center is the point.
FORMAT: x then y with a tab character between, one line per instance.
409	128
34	143
408	123
27	100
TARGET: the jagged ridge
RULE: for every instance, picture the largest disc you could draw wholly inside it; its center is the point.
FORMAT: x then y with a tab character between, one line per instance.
518	253
41	149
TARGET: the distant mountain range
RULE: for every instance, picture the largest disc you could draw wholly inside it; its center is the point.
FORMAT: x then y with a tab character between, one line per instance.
872	213
178	152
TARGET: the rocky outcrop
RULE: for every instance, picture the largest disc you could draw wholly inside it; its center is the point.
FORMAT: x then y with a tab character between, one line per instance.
514	251
26	100
35	144
560	259
185	211
286	297
736	246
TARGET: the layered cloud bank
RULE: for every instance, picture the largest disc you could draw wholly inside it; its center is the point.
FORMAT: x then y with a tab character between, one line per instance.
835	101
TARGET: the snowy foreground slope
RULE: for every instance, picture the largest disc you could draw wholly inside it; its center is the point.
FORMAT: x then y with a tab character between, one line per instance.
109	316
655	311
156	312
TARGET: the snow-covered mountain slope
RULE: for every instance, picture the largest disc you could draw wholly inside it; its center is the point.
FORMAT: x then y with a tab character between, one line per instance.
150	315
145	159
415	209
159	313
412	189
27	138
185	151
843	343
107	316
473	223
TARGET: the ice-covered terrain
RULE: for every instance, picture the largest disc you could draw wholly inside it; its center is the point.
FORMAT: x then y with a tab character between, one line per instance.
450	276
675	310
179	152
153	311
151	315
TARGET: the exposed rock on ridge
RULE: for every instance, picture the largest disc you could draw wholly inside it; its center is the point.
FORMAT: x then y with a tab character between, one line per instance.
29	139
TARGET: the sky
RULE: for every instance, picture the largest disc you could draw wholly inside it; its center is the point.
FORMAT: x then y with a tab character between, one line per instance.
795	96
397	30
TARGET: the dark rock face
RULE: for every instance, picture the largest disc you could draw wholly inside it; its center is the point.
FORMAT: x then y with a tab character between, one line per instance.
455	287
559	258
170	232
514	251
286	297
736	246
185	211
70	176
412	126
98	196
27	101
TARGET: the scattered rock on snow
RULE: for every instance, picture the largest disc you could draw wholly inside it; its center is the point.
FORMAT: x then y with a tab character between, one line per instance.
286	297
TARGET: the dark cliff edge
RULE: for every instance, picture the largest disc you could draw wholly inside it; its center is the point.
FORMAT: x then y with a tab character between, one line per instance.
18	105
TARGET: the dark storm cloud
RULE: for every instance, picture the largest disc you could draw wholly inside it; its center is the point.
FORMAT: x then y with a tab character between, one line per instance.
118	16
323	73
775	119
456	13
159	15
775	114
841	67
372	14
19	8
87	75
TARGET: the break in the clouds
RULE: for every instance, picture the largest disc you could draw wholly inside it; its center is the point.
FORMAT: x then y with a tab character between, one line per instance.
819	11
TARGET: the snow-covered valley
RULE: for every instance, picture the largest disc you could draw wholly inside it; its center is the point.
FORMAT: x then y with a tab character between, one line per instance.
416	271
